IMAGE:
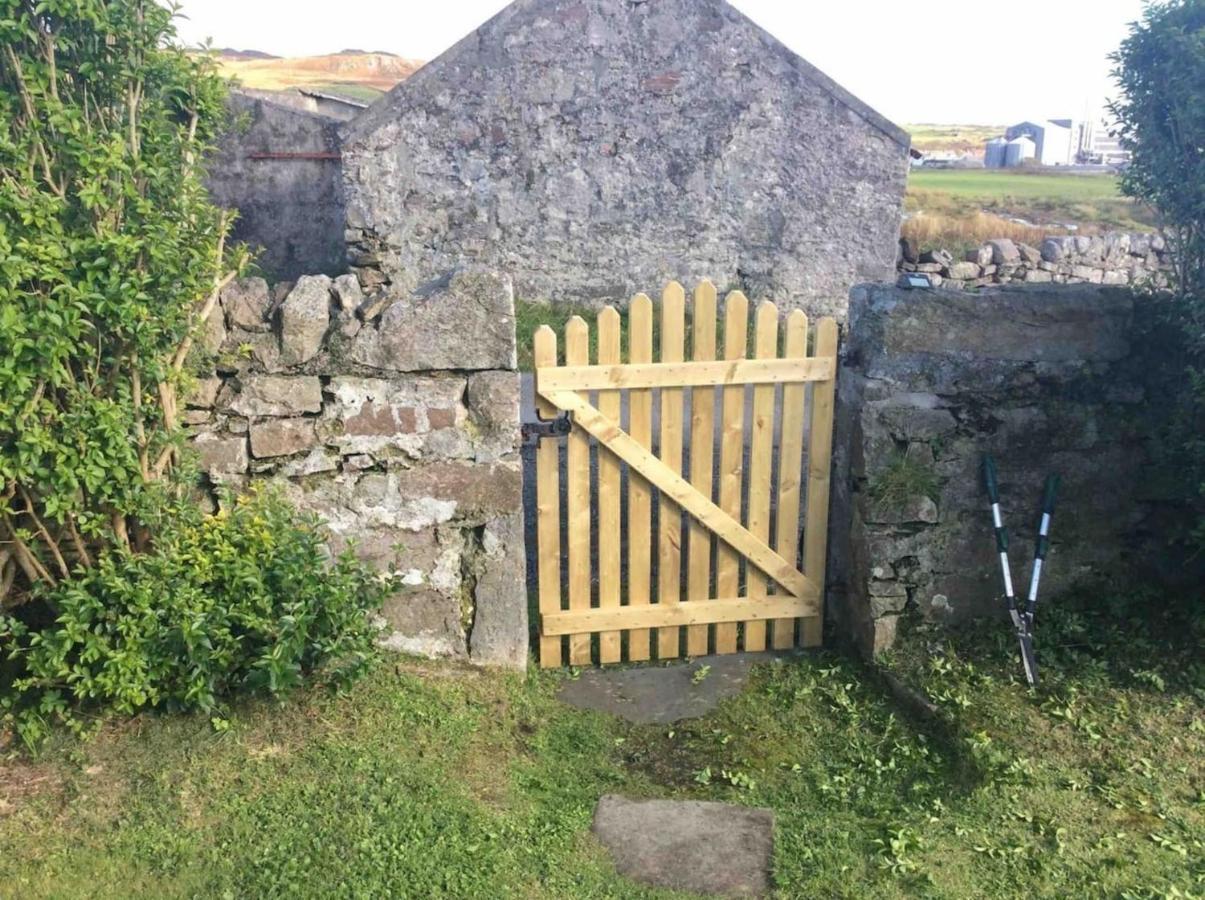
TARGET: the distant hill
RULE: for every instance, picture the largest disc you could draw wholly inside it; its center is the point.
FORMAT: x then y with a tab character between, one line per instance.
933	138
232	54
356	73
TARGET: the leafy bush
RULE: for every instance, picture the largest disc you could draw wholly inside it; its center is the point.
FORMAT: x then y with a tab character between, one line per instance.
111	255
246	601
1160	69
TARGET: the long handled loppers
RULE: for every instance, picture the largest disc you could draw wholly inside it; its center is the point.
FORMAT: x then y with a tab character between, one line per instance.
1022	616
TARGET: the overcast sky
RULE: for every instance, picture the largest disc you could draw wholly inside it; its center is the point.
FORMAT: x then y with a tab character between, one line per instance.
966	61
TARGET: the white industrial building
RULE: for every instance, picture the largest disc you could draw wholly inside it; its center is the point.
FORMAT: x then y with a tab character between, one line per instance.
1098	145
1054	140
1019	151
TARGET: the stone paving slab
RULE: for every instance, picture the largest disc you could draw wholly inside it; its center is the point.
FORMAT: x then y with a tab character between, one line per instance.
657	694
688	845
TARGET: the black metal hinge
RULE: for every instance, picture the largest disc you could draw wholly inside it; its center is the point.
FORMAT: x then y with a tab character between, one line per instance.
555	428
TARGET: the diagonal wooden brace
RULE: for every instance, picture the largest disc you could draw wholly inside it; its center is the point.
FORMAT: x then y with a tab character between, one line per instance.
608	433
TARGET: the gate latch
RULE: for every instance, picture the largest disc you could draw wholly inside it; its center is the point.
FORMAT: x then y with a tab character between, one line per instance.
558	427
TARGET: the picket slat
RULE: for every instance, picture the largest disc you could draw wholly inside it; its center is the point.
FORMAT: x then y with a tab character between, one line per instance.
756	580
702	453
761	460
819	472
608	492
548	509
669	544
640	496
790	465
577	474
732	461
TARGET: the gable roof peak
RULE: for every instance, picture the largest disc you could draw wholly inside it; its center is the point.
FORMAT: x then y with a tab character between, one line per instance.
572	10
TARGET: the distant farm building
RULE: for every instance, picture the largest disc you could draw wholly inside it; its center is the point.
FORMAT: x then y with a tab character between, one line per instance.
1055	142
1019	151
946	159
1099	146
994	153
1052	139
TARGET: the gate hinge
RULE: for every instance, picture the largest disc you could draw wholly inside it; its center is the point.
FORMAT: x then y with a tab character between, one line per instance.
558	427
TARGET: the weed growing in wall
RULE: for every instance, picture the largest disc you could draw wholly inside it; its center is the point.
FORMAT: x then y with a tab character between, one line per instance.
902	479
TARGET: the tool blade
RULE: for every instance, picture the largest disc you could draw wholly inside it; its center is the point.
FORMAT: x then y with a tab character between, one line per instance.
1028	658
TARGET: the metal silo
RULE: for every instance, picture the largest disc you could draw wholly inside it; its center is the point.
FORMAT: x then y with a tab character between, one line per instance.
1018	150
994	153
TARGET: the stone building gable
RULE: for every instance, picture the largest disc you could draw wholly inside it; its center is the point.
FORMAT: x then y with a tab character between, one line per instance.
594	147
714	16
289	207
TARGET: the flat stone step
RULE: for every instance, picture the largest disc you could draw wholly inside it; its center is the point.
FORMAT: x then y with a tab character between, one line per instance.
657	694
687	845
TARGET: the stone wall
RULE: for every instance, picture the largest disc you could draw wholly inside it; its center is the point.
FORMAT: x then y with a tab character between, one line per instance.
1117	258
593	148
290	208
397	422
1047	380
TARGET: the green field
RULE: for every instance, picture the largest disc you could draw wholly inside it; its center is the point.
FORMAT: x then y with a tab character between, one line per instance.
960	208
987	186
363	93
432	780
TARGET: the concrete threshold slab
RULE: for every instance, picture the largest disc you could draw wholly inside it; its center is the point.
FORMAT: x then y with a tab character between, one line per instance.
707	848
661	694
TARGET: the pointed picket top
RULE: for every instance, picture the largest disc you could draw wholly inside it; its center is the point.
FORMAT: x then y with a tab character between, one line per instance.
576	329
609	315
674	290
544	355
797	324
736	325
640	310
767	320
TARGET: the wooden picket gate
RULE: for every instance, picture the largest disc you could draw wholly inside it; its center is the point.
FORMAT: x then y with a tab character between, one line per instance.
722	596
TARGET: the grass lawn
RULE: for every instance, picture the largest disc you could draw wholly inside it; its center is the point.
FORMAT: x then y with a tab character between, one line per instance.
429	780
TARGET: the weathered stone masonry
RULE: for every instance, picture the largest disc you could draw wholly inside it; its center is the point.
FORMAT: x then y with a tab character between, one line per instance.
1047	379
593	148
279	167
396	421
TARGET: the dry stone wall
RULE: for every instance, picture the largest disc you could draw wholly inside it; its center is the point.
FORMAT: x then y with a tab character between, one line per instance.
1047	379
1117	258
394	419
